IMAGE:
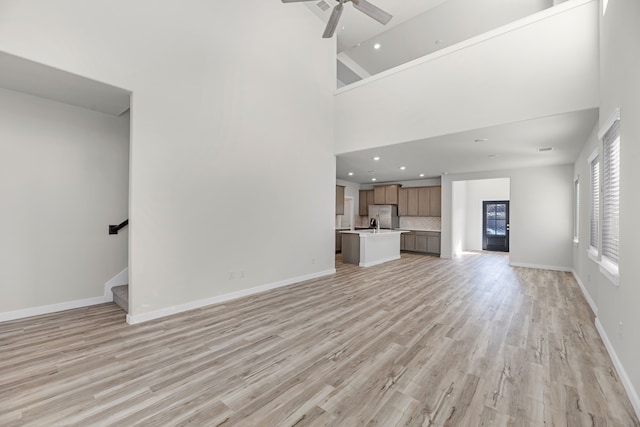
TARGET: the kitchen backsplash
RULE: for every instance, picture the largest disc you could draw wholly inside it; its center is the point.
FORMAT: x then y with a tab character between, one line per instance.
407	222
420	222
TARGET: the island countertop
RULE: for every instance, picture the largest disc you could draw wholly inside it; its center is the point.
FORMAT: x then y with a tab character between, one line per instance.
371	233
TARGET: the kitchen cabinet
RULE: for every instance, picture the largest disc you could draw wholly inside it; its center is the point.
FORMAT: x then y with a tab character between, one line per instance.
419	201
424	196
339	200
338	241
421	243
408	201
435	201
426	242
403	202
433	243
366	199
386	194
408	242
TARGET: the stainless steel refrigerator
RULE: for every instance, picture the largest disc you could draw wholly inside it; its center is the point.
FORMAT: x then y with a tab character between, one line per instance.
387	215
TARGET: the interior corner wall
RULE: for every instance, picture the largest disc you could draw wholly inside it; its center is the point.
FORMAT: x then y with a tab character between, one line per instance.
63	179
232	149
536	193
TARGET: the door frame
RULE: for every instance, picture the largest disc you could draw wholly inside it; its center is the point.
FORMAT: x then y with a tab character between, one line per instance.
484	225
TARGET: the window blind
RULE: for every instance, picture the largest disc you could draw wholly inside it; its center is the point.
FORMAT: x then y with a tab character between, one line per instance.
595	203
611	192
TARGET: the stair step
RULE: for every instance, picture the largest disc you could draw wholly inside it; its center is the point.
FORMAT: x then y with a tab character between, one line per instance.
121	296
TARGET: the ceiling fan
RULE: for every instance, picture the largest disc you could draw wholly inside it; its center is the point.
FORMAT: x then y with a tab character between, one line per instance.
362	5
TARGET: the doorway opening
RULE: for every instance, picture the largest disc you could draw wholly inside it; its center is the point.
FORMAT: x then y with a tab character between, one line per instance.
495	226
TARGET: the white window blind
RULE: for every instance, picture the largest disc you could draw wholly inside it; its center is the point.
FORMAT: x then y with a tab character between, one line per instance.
611	192
594	217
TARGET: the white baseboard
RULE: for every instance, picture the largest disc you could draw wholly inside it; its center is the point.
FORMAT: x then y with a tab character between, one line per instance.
53	308
592	304
626	382
121	278
145	317
541	267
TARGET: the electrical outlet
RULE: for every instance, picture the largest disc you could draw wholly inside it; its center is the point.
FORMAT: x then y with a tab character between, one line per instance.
313	260
242	274
231	275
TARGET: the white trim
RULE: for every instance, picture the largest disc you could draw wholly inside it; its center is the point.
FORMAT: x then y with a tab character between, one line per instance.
592	253
592	304
168	311
540	267
610	121
593	156
609	269
47	309
378	261
626	382
121	278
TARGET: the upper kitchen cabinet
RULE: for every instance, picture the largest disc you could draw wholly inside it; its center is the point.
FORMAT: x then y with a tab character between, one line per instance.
366	198
386	194
419	201
339	200
435	201
408	202
424	198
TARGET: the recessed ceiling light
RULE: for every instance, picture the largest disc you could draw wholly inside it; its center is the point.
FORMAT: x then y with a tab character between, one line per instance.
373	179
421	175
478	140
376	46
402	168
376	158
350	173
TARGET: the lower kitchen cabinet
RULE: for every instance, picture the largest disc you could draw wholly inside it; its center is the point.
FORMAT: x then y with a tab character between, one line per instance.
426	242
338	241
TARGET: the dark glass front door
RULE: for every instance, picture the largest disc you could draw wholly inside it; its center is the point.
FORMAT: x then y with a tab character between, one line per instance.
495	226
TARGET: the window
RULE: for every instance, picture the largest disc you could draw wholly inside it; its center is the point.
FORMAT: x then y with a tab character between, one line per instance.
594	216
576	209
611	194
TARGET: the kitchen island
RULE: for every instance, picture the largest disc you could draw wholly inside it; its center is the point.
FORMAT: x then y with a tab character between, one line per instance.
370	247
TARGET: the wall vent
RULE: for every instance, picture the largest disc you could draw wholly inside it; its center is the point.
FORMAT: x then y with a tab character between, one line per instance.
545	149
323	5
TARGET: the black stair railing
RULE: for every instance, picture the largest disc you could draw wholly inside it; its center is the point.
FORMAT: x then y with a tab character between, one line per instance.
113	229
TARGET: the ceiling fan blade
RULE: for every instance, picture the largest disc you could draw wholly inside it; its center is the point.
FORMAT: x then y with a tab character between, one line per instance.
333	21
373	11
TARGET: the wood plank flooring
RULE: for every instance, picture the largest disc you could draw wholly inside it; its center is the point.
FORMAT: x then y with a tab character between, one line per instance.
416	342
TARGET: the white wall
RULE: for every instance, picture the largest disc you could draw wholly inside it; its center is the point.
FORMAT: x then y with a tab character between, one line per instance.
479	191
478	84
218	130
458	216
541	215
617	306
64	176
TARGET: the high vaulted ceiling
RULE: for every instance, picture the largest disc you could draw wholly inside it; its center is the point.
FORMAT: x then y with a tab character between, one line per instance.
420	28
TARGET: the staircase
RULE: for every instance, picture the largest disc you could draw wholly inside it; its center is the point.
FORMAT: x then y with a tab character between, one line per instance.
121	296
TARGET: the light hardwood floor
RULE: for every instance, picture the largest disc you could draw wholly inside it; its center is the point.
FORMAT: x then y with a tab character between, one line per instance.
416	342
